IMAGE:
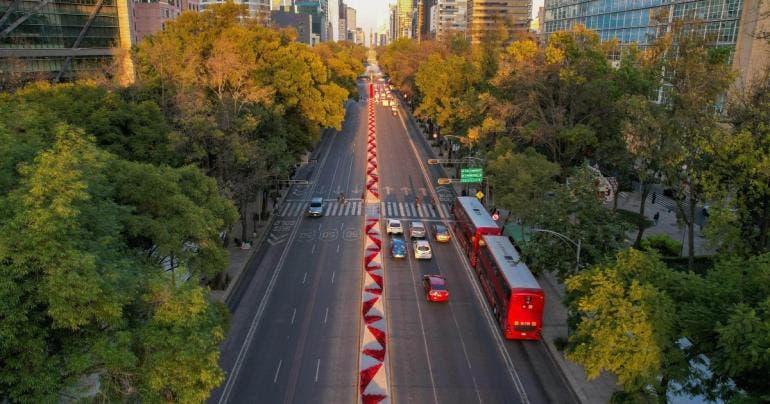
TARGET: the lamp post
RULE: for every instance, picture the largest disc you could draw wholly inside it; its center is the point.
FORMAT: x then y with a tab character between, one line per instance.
565	239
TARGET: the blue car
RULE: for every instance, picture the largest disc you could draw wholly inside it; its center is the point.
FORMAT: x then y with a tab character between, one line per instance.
397	248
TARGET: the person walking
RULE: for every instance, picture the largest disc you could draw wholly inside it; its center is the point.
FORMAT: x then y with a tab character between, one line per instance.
656	218
654	195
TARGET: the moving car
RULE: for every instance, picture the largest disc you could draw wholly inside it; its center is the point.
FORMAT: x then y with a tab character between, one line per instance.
397	248
394	227
416	230
422	250
316	208
441	233
394	110
435	288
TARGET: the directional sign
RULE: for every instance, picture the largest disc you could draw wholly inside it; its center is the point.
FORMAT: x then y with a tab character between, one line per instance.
471	174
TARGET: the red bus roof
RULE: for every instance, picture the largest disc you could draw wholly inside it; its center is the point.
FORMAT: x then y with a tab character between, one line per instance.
476	212
515	271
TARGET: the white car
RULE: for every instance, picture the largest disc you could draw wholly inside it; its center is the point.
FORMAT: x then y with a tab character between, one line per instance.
394	227
422	250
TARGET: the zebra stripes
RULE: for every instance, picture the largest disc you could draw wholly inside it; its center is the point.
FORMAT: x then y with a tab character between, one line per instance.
356	208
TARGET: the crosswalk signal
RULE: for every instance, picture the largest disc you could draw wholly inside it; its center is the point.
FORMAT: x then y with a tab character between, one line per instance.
444	181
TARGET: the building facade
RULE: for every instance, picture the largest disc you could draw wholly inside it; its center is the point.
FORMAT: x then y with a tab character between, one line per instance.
731	23
259	9
487	16
150	16
350	17
64	40
404	16
451	17
302	24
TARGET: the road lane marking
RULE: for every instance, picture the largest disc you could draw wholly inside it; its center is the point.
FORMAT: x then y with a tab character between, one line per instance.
313	250
275	379
304	278
293	314
317	367
326	315
333	277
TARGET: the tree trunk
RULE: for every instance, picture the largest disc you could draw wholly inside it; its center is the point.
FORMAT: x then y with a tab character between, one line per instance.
641	222
763	227
691	234
242	210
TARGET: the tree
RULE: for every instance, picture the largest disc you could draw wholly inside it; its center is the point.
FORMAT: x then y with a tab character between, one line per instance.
344	60
696	77
520	180
575	210
626	325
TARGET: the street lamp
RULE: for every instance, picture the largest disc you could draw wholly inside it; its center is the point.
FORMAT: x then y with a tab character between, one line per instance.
563	238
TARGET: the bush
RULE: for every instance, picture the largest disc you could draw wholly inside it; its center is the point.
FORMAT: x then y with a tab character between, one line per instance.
662	243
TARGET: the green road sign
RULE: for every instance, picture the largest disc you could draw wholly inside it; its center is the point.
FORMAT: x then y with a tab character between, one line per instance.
471	175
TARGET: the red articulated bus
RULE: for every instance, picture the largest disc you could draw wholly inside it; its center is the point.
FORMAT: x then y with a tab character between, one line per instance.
511	290
471	222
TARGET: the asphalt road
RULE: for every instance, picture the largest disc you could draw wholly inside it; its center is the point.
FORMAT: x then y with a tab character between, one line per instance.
448	353
294	333
295	321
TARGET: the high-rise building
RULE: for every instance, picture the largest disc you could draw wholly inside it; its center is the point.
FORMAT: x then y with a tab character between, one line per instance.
405	11
350	17
486	16
451	17
333	25
732	23
360	36
150	16
302	23
317	11
392	22
424	16
433	21
259	9
65	39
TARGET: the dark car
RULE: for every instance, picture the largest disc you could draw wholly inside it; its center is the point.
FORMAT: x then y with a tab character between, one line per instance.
441	233
435	288
397	248
316	208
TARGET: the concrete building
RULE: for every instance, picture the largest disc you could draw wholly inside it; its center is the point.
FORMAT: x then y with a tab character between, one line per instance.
732	24
360	36
383	39
325	17
404	17
424	17
302	23
150	16
487	16
350	17
451	18
259	9
333	26
433	21
392	22
63	40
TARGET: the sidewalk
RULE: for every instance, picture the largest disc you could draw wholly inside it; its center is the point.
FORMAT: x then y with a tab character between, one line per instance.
597	391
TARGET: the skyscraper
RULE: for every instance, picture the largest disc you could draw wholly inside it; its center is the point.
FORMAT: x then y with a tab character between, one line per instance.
451	17
486	16
63	40
405	10
350	17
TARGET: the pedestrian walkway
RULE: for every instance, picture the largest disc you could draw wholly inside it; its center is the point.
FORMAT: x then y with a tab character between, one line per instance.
402	210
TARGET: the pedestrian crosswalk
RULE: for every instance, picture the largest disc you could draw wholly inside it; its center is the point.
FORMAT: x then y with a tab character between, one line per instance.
356	208
348	208
414	210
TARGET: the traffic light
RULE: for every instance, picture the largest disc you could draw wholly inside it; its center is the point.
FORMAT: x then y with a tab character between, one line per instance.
444	181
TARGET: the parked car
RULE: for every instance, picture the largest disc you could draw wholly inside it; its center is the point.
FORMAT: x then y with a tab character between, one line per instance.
422	250
435	288
397	248
416	230
394	227
316	208
441	233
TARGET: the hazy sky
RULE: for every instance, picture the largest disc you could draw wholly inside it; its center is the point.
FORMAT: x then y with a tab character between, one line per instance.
370	14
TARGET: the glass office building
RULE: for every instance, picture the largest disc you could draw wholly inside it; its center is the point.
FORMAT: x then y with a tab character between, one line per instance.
643	21
61	39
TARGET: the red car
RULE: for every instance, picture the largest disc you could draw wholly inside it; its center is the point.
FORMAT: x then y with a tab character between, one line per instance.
435	288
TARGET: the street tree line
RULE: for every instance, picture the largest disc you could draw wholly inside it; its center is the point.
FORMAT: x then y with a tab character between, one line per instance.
113	201
668	113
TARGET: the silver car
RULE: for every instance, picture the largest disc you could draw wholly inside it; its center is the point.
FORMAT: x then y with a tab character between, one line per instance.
316	208
416	230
